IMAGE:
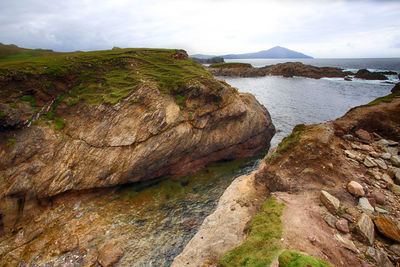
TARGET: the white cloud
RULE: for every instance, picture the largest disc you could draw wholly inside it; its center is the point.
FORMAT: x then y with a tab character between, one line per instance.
318	28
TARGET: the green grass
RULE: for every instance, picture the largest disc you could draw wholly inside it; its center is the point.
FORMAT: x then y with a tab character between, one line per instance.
388	98
59	123
2	114
11	141
230	65
48	84
30	99
13	105
295	259
288	141
262	244
112	75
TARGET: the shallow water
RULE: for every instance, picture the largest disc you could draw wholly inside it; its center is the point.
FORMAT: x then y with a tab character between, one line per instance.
292	101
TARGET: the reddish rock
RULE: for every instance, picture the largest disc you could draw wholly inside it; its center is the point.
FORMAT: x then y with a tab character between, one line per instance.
364	135
109	254
366	148
342	225
388	228
379	197
355	189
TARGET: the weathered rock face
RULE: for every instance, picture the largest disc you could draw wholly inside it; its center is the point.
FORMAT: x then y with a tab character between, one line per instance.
289	69
149	133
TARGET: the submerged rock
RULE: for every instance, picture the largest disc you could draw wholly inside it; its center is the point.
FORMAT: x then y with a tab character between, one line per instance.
367	75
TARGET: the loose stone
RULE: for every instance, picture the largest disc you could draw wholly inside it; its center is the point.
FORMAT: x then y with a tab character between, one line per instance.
365	227
355	189
330	202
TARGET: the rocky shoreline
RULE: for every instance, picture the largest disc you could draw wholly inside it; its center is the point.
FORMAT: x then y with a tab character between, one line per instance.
291	69
340	183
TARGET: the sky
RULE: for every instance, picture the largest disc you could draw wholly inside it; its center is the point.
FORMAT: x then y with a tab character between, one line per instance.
320	28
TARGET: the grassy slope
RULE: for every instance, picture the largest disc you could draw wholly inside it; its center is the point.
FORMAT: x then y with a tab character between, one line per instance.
111	75
13	52
262	244
295	259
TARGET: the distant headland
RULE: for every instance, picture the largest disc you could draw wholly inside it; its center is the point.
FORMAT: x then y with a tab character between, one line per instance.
275	52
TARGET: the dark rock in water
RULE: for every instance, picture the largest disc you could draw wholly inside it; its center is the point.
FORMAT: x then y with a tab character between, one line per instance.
367	75
208	60
347	78
288	69
387	72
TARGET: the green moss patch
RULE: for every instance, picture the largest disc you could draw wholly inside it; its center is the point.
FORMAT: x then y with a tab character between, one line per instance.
30	99
59	123
231	65
295	259
262	244
289	141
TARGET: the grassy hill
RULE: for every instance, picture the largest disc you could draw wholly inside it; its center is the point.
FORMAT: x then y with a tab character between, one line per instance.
12	52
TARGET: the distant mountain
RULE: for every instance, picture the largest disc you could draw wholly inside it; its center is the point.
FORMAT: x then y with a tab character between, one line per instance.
201	56
275	52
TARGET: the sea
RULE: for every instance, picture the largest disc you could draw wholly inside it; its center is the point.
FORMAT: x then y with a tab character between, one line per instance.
292	101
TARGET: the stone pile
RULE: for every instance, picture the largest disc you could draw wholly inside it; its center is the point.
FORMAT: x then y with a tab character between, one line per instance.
371	226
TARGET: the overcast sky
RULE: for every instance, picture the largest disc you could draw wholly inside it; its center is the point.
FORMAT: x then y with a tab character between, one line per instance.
318	28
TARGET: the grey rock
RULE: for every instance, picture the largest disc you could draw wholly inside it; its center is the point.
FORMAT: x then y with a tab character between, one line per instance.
394	188
385	177
352	155
386	155
395	248
391	150
392	143
381	163
383	142
330	220
395	161
379	210
330	202
392	171
380	257
369	162
346	243
364	205
365	227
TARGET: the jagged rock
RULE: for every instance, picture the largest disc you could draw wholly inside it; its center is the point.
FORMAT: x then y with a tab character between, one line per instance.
379	197
355	189
364	205
109	254
364	135
365	227
352	155
346	243
386	155
369	162
388	228
366	148
379	210
330	202
395	161
394	188
385	177
348	217
381	164
392	143
382	142
342	225
392	150
380	257
330	220
392	171
395	248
